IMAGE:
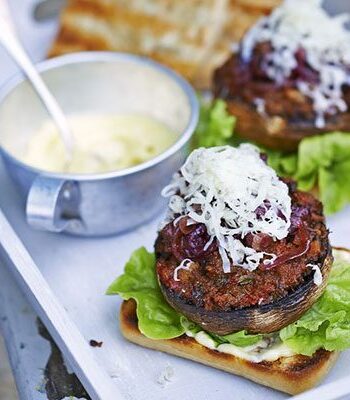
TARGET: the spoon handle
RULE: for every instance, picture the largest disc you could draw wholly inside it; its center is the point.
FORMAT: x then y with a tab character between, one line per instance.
5	14
47	9
15	49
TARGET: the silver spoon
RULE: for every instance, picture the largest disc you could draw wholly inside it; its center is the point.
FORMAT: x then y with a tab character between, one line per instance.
47	9
9	40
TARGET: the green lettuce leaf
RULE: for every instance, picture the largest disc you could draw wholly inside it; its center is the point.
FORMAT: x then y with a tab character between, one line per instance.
215	126
327	324
283	164
325	160
322	161
190	326
240	339
157	320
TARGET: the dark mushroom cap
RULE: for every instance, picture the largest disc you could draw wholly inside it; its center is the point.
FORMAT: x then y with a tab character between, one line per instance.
265	318
260	301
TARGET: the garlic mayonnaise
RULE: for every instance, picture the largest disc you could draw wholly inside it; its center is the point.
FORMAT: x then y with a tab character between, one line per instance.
261	351
103	143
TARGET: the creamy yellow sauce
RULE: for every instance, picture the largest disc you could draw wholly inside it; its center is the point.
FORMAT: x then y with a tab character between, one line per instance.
261	351
102	143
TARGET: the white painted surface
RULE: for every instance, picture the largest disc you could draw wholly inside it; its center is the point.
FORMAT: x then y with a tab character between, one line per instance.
79	271
65	333
28	352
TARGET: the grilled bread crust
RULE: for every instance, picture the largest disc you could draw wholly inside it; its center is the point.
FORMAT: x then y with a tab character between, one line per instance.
291	375
191	36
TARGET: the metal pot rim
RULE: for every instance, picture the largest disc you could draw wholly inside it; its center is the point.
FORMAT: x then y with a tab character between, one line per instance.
106	56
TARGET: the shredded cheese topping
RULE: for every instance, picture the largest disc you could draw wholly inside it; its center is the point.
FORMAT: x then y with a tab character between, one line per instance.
223	188
304	24
318	278
185	264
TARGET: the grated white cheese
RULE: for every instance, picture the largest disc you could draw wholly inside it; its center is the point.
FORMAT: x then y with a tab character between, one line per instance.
222	187
318	278
185	264
305	24
260	106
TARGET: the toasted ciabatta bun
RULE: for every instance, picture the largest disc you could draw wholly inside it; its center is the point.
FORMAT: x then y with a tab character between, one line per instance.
291	375
193	37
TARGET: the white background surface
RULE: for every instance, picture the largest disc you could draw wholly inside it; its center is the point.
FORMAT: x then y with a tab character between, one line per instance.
79	271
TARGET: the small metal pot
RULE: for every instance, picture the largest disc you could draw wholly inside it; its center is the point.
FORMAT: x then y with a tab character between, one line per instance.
97	204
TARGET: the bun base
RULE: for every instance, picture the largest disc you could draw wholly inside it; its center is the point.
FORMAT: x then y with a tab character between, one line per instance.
291	375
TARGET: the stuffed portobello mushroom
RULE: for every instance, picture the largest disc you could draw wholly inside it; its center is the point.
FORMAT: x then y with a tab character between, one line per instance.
241	248
289	78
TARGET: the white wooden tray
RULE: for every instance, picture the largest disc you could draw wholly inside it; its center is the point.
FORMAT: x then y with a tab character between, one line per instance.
80	270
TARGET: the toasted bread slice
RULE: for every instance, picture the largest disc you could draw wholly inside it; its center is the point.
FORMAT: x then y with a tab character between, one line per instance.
291	375
193	37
